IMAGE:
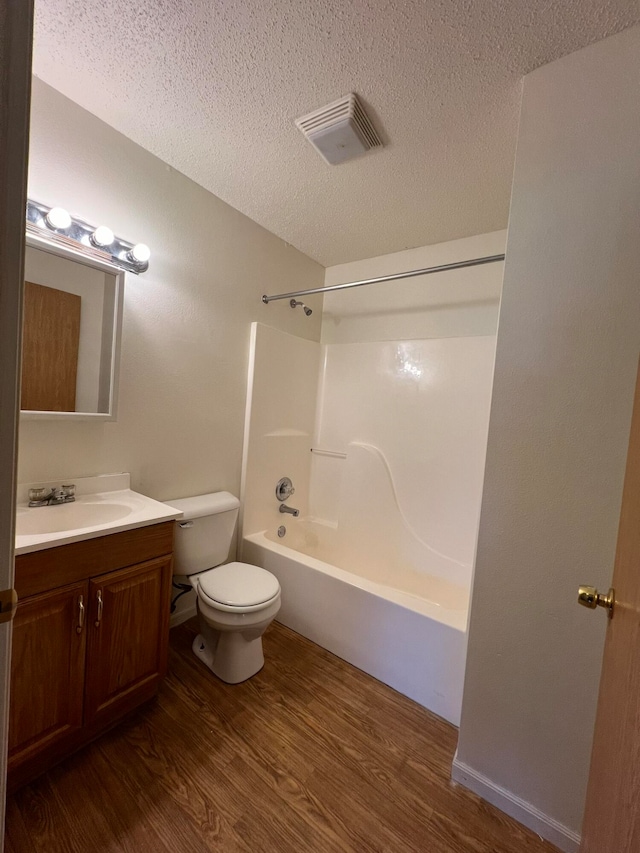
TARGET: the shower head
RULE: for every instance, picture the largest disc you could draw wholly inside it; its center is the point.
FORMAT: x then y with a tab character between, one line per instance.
295	302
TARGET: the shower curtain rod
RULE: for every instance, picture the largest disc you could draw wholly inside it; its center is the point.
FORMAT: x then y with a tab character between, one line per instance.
458	265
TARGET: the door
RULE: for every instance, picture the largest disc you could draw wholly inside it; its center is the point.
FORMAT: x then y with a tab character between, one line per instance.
47	670
128	636
16	23
612	816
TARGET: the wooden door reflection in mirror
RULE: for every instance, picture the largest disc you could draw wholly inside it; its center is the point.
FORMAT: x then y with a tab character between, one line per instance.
51	336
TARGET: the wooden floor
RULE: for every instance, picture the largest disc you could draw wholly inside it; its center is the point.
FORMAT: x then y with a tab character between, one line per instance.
309	755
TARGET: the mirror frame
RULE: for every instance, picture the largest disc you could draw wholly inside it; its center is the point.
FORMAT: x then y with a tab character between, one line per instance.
35	241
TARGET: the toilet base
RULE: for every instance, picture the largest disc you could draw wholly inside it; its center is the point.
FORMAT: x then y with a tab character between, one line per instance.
230	656
230	644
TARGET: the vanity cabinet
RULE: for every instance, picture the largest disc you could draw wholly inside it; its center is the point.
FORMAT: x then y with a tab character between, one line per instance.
127	637
47	671
90	641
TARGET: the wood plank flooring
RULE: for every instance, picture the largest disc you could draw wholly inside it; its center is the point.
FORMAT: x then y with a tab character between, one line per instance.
309	755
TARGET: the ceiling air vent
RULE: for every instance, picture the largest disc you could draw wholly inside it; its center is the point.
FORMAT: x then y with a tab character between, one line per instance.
340	131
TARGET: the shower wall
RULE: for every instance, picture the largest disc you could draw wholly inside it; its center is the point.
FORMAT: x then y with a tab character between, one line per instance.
403	407
281	402
424	406
393	403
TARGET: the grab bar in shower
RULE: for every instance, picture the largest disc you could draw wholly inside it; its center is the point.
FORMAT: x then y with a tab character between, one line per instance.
335	453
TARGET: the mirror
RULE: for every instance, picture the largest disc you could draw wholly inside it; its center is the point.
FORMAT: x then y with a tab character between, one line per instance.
70	334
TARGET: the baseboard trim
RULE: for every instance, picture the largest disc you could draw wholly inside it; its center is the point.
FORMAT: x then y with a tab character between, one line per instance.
181	616
525	813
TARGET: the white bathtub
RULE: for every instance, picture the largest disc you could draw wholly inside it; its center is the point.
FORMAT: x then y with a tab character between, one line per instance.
406	628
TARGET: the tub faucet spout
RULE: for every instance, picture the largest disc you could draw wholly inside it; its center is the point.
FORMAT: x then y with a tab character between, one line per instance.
288	509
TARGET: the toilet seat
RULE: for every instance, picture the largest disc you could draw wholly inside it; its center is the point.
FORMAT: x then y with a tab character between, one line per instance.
238	588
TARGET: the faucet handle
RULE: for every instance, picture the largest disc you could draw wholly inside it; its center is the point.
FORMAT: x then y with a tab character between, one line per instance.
69	490
37	494
284	489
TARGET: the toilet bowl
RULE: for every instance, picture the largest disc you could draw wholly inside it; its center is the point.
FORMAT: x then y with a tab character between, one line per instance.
236	602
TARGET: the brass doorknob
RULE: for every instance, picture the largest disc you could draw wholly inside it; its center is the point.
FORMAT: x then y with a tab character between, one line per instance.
588	596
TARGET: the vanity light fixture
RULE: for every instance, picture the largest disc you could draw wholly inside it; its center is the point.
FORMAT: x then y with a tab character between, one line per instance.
58	226
58	219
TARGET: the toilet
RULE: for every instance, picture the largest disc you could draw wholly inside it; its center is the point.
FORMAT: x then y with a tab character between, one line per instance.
236	602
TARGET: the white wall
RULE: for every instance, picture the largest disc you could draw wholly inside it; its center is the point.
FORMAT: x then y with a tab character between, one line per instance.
407	368
567	354
186	321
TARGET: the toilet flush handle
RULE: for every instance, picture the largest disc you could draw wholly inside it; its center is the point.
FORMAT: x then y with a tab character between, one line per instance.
184	524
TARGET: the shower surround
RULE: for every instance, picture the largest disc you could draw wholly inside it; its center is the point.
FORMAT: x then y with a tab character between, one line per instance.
382	428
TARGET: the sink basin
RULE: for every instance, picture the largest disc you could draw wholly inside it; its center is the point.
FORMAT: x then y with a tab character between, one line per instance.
104	504
71	516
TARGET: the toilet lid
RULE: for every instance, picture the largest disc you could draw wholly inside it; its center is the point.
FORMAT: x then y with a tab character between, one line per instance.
239	585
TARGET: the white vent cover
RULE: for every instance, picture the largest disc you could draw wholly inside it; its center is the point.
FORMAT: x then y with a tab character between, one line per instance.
340	131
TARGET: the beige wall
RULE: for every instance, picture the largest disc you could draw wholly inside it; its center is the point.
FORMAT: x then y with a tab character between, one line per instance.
186	321
567	353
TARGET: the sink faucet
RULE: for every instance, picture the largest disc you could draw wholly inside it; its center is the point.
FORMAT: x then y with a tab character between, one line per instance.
53	497
290	510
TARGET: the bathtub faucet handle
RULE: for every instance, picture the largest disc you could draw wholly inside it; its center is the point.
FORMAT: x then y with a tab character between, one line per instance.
284	489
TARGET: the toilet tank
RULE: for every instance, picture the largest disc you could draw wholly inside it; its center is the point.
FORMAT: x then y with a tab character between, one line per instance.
204	534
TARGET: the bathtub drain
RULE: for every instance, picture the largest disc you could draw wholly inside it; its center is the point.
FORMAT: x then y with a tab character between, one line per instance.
282	531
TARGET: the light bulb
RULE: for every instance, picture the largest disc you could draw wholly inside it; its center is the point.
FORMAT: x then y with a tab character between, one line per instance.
58	219
140	253
102	236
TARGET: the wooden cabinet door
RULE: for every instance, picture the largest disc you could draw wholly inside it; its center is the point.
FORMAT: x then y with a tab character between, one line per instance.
47	670
128	637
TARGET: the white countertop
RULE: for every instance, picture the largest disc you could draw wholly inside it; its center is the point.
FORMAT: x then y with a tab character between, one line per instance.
103	505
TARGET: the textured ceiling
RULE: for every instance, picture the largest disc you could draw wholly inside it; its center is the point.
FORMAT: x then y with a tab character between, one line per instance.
213	87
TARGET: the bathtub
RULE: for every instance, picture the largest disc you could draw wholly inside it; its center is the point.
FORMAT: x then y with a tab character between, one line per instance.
405	628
